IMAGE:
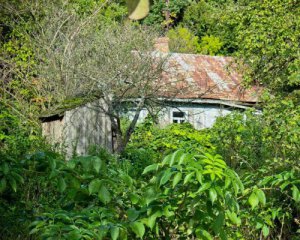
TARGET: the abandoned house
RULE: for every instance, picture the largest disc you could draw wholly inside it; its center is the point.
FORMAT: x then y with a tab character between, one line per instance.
211	88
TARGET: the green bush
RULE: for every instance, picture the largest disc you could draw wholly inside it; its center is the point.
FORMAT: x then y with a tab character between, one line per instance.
238	138
264	150
162	141
187	195
210	45
182	40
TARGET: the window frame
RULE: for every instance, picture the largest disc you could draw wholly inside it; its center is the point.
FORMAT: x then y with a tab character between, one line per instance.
179	120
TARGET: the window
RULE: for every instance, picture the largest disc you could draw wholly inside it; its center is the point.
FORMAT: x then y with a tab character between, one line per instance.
179	116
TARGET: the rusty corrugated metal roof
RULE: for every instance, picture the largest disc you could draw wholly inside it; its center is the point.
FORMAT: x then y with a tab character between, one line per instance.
207	77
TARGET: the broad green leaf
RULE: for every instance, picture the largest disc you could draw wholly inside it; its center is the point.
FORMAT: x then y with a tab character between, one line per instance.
227	182
199	177
5	168
150	195
261	196
296	193
259	225
188	178
183	158
123	234
167	159
165	177
253	200
233	218
134	198
71	164
150	168
151	221
61	184
204	187
236	181
97	164
63	216
208	156
132	214
34	230
94	186
265	230
176	179
52	163
235	187
219	222
127	179
203	234
284	185
114	232
85	162
75	234
13	184
167	211
213	195
220	162
17	177
266	180
3	185
138	228
104	195
175	157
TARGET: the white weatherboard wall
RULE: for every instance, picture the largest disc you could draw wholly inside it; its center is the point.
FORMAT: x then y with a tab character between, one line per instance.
199	115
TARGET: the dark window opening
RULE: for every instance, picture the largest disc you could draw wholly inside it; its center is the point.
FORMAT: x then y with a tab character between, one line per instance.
178	117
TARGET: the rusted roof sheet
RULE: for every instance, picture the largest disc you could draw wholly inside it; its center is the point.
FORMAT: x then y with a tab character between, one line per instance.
207	77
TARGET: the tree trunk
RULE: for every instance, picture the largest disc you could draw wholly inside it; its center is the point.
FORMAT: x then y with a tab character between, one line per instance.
122	140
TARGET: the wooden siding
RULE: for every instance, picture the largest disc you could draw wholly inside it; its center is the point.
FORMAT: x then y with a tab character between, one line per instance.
79	129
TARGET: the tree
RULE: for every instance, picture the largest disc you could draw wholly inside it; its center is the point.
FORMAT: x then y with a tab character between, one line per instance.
268	35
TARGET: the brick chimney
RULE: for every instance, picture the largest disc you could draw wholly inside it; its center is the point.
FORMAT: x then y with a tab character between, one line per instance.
162	44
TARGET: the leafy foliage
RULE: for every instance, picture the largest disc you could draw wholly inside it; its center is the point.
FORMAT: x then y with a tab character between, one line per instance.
160	8
269	33
210	45
182	40
189	195
266	157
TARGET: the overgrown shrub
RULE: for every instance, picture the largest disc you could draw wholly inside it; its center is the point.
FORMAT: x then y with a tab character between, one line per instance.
188	195
264	149
238	138
21	181
151	143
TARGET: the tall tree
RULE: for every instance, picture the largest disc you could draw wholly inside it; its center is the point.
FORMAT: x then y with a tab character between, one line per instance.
269	42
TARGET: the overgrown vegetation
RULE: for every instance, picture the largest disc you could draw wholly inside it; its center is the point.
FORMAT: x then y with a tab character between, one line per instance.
238	180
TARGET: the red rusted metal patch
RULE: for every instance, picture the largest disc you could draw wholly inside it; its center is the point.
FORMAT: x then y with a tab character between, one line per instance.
206	77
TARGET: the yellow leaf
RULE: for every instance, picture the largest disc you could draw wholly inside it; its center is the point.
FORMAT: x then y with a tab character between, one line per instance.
138	9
